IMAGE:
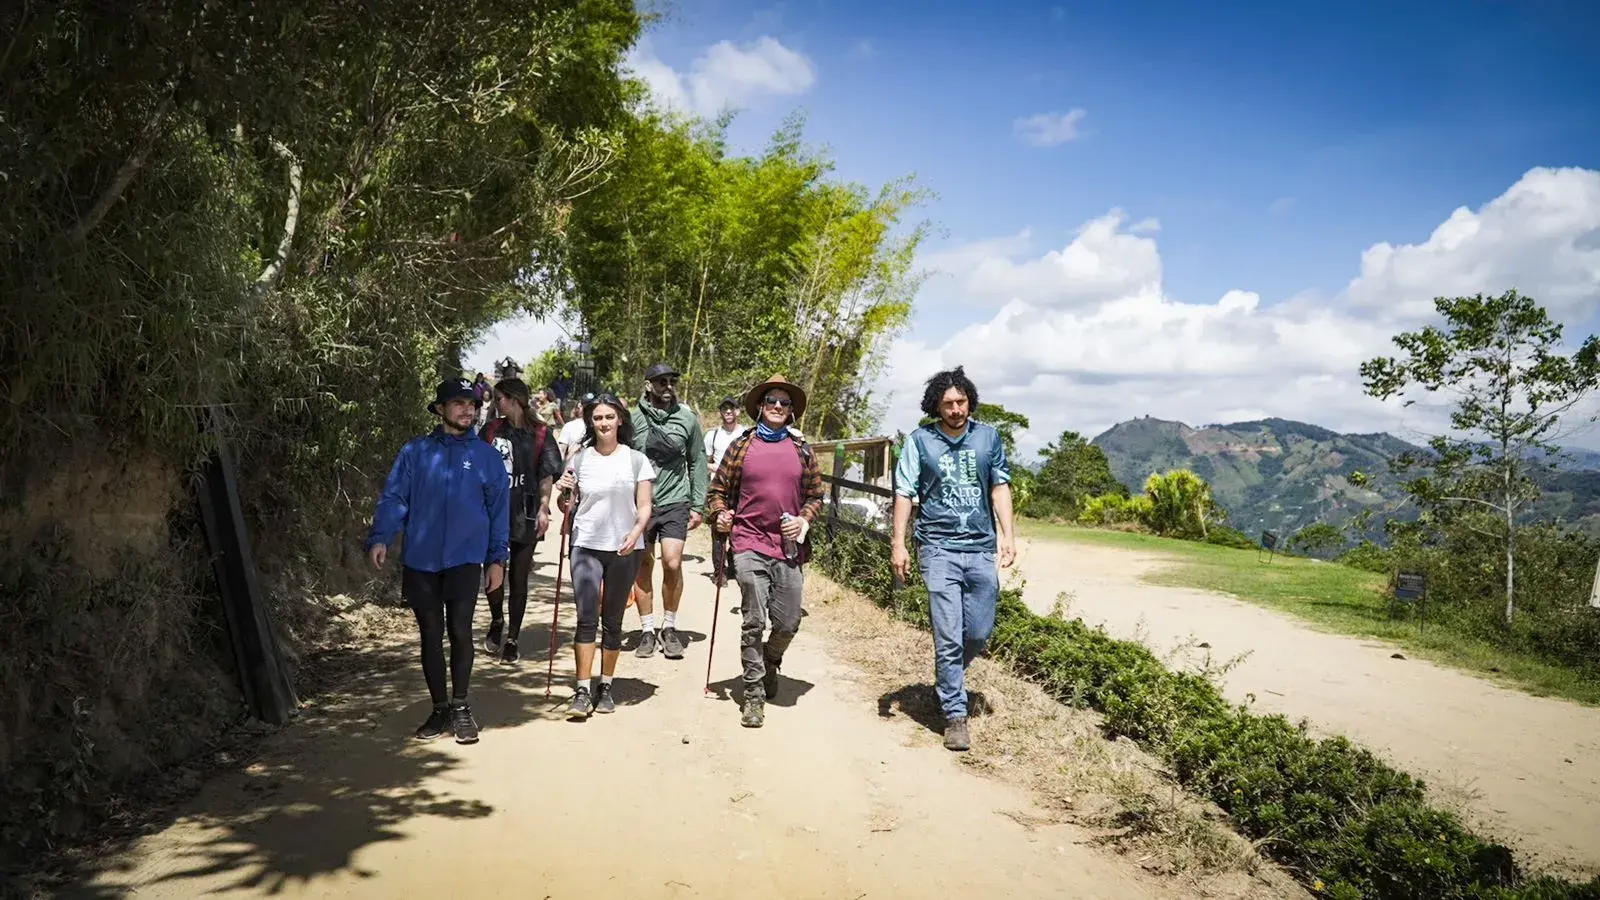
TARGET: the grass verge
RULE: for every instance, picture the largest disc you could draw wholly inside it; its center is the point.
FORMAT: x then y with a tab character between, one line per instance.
1333	598
1341	820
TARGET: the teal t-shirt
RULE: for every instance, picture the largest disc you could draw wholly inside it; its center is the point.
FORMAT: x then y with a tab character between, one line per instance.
950	478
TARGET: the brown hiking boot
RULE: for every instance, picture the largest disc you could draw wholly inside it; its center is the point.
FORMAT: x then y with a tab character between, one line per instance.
955	734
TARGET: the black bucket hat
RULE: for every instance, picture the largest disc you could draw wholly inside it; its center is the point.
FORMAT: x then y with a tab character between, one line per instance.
450	389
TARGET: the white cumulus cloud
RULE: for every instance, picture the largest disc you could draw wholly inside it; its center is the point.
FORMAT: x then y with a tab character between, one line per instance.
1086	336
1049	128
725	75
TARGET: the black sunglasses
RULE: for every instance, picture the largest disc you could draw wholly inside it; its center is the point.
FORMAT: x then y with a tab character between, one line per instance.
780	402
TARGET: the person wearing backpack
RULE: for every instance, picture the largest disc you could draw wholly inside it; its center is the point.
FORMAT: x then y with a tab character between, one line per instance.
669	433
448	492
610	511
764	497
532	463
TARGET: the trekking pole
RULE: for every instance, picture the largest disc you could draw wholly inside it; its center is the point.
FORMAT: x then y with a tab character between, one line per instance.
716	611
555	617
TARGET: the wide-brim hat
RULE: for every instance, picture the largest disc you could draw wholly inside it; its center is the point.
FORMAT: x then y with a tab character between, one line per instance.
752	399
450	389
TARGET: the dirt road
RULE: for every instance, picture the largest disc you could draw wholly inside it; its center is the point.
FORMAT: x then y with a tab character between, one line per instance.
1527	767
668	797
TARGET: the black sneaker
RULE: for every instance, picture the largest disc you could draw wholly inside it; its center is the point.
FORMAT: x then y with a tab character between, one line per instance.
508	650
647	645
755	708
582	707
603	702
438	723
462	723
671	644
491	638
769	681
956	736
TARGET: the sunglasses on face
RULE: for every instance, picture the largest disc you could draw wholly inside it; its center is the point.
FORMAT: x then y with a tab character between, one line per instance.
780	402
664	382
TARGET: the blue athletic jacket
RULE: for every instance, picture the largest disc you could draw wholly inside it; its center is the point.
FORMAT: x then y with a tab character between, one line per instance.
451	496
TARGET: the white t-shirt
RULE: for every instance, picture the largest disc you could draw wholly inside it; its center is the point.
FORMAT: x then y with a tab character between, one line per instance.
571	433
606	506
719	439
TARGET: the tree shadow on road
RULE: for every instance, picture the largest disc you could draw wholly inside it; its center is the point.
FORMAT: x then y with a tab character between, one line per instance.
346	776
920	703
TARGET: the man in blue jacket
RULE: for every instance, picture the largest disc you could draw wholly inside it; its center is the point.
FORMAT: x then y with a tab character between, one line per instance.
448	491
956	470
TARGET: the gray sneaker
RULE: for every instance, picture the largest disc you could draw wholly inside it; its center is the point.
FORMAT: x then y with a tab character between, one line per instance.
603	702
955	734
582	706
671	644
755	708
647	645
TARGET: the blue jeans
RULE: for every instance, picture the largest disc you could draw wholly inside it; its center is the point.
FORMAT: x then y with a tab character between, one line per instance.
963	588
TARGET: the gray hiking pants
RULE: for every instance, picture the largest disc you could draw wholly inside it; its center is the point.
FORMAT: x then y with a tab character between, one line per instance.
770	591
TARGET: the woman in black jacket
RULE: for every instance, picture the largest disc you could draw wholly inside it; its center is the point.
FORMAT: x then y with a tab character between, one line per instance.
533	462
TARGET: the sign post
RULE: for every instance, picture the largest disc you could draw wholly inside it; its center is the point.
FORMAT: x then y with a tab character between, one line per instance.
1412	588
1594	592
1269	542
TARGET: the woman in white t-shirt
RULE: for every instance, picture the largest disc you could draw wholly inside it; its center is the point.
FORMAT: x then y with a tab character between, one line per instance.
613	483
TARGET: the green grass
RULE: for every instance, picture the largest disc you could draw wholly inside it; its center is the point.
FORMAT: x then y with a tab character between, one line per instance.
1332	598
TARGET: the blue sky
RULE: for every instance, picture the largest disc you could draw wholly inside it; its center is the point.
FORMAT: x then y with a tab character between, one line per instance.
1271	145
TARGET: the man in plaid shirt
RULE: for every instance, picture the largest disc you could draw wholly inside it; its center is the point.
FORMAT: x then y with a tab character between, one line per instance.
764	497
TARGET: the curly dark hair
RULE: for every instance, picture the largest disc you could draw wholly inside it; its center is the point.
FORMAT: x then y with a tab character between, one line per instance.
624	419
944	381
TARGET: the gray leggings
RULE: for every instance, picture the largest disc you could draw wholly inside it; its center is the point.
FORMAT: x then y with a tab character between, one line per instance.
589	568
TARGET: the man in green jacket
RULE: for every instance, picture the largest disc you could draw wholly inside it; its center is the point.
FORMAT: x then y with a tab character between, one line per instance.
669	434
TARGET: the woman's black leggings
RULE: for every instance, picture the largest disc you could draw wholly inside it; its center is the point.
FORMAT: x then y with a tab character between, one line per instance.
521	567
442	599
589	569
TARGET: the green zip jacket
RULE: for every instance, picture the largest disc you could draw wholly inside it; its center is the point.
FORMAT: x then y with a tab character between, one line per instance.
673	441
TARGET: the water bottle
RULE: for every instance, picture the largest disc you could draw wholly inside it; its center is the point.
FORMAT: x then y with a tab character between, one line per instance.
791	550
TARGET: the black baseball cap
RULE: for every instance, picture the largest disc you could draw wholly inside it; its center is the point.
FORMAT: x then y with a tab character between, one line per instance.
659	370
728	403
450	389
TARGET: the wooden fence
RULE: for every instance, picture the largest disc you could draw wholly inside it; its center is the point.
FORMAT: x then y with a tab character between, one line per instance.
875	457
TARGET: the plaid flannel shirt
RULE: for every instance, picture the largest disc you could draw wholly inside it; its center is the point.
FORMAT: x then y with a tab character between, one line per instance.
724	491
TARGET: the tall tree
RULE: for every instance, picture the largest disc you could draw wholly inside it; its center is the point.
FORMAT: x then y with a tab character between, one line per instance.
734	267
1072	471
1501	358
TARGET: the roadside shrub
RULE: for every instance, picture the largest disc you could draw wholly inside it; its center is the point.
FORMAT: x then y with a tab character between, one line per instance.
1114	509
1227	536
1368	557
1346	823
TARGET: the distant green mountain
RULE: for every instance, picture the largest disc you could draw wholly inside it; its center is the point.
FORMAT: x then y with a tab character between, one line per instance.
1279	475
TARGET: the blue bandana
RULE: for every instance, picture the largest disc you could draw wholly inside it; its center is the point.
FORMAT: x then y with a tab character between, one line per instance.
769	434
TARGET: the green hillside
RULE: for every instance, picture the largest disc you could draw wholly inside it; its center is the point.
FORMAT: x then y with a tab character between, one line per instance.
1281	475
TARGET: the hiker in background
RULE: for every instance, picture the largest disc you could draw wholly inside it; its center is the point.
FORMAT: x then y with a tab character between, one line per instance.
572	433
669	434
717	442
956	470
765	495
533	463
613	508
547	410
448	492
484	394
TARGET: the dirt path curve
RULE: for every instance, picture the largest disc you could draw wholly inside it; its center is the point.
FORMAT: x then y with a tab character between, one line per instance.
668	797
1528	768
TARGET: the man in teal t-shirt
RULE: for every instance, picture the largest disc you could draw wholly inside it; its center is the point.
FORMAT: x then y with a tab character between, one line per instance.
956	470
